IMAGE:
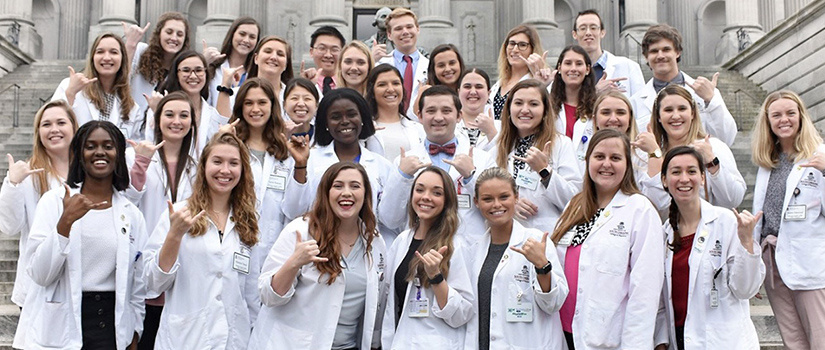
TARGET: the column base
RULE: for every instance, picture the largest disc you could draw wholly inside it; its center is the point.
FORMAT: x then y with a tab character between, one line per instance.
328	20
734	41
430	37
29	41
552	40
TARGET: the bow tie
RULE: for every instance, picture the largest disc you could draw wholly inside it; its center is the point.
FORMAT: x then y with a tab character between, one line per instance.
448	149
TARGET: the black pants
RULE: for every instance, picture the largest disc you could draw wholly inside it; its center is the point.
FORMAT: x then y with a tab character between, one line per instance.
680	337
97	318
150	327
569	338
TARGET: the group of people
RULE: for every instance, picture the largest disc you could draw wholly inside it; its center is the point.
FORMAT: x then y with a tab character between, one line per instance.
178	199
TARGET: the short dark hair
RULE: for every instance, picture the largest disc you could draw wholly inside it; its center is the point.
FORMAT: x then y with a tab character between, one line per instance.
303	83
322	135
77	174
478	71
327	30
439	90
432	79
371	80
659	32
172	83
588	12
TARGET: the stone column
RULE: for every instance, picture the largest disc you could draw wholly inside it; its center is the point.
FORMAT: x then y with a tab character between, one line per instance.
257	10
436	25
793	6
16	16
219	16
328	13
682	16
74	29
639	15
152	9
112	13
742	29
541	14
770	13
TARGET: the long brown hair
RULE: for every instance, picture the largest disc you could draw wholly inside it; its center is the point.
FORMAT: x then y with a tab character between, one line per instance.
584	204
674	215
242	199
287	74
151	61
587	91
273	133
324	224
509	132
227	48
695	132
441	233
184	155
121	87
40	158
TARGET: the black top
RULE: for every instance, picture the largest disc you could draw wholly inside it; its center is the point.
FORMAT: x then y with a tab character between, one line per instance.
401	279
485	284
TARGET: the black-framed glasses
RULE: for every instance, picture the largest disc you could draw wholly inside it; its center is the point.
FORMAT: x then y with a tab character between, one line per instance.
187	70
522	45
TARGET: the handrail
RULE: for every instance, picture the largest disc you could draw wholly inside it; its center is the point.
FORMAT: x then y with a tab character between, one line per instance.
739	104
639	44
16	110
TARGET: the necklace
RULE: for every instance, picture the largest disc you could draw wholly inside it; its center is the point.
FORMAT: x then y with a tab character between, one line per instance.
349	244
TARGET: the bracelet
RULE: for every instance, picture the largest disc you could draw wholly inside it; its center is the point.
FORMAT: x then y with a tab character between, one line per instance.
437	279
225	89
299	167
713	162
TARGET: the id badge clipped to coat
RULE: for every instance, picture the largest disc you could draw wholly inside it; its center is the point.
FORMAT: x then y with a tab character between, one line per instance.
277	180
240	260
519	305
420	305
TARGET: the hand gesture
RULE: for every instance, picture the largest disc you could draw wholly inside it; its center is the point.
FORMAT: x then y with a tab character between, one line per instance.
211	53
410	164
463	163
379	51
646	142
182	221
152	101
432	261
145	148
746	223
19	170
290	126
308	73
77	82
546	75
817	161
486	123
298	147
705	149
75	207
133	33
534	250
525	208
705	88
535	62
537	159
605	85
232	76
229	128
305	252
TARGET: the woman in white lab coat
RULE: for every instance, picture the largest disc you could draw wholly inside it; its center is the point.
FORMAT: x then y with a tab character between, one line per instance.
200	255
676	122
300	104
102	90
429	296
320	284
236	50
712	267
540	159
516	275
27	181
476	122
572	98
385	95
790	190
84	248
610	240
522	45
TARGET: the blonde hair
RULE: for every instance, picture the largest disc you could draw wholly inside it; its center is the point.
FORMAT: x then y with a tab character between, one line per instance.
505	71
398	13
40	157
509	133
120	87
339	76
695	132
765	144
632	130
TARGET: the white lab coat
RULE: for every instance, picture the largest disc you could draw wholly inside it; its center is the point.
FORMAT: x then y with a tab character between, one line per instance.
583	131
209	304
716	119
800	246
443	328
413	132
85	111
306	317
151	200
621	270
208	124
565	182
17	207
623	67
716	246
544	332
301	196
393	208
270	198
725	189
51	318
139	84
419	77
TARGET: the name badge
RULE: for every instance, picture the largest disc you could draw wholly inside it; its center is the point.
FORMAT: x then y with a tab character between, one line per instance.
276	182
464	201
567	238
519	308
240	263
797	212
529	181
714	298
419	306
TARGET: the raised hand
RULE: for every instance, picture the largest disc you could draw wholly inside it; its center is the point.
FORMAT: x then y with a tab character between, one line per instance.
463	163
182	221
298	148
746	223
145	148
537	159
432	261
133	33
232	76
19	170
534	250
535	62
152	101
817	161
705	88
77	82
290	126
546	75
74	207
305	252
229	128
605	85
308	73
705	149
646	142
211	53
410	164
486	123
379	51
525	208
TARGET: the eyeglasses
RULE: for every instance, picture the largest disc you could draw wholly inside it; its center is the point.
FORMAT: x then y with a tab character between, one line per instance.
332	49
197	70
522	45
584	29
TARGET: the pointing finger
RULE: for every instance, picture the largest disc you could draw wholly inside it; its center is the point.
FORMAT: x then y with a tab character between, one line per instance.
159	145
146	27
171	208
715	78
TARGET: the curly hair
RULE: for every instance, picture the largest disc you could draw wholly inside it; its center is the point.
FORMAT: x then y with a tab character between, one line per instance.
121	86
273	132
151	61
587	91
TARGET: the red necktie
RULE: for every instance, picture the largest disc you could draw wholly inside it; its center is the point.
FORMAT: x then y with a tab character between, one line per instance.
448	149
408	81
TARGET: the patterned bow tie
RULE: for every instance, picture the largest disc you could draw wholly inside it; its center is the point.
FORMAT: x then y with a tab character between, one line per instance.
448	149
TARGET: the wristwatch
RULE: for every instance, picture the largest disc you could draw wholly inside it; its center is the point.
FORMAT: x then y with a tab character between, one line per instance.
712	163
655	154
544	270
544	173
437	279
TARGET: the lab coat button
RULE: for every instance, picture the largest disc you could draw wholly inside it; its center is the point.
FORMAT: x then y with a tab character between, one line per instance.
492	338
218	298
100	311
220	275
577	312
494	314
687	340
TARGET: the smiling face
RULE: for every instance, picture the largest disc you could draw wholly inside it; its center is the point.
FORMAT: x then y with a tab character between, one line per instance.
607	165
514	49
192	75
447	68
613	113
526	111
325	53
439	117
676	115
107	57
344	121
256	108
99	155
783	116
223	169
271	58
388	90
573	69
683	178
300	105
662	59
403	32
346	196
496	201
55	130
245	38
172	36
589	32
175	120
473	93
354	66
428	196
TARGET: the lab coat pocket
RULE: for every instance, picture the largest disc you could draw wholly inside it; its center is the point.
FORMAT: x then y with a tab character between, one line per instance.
604	324
614	257
727	335
286	337
52	324
194	330
814	272
426	341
